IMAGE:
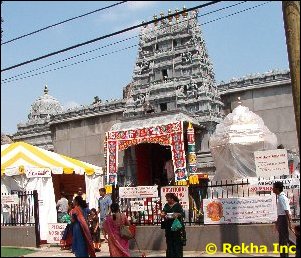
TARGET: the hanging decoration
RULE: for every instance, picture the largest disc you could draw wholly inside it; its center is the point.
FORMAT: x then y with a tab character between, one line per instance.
191	150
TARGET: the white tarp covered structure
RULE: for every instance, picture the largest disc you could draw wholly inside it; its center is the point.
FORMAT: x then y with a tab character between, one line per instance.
20	163
234	142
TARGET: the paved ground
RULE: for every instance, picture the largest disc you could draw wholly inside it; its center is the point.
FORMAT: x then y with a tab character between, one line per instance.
51	251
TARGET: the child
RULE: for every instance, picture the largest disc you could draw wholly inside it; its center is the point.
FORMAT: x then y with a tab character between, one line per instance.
94	229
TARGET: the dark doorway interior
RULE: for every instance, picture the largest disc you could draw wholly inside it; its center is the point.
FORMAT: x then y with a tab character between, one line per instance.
151	160
69	184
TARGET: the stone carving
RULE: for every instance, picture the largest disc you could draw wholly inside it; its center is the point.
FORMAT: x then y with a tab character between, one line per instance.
180	91
192	91
148	108
97	100
144	65
186	57
140	99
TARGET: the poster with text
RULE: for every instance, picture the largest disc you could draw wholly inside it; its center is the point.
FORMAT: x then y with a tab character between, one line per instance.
10	199
55	232
261	209
271	163
267	185
128	192
138	192
137	205
180	191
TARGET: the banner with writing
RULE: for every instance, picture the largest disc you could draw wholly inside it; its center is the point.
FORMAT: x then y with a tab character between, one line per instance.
271	163
10	199
180	191
138	192
55	232
128	192
267	185
137	205
261	209
148	191
37	172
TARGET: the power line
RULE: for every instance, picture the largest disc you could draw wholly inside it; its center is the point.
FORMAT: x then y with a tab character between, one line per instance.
86	60
59	23
90	51
229	15
69	58
223	8
82	61
108	35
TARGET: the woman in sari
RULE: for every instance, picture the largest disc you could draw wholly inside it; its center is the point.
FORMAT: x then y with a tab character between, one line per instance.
174	239
118	246
82	244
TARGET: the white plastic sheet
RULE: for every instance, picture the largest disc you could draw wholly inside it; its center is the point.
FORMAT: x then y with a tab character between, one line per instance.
234	142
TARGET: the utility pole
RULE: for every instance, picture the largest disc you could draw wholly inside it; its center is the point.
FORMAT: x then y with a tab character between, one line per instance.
291	17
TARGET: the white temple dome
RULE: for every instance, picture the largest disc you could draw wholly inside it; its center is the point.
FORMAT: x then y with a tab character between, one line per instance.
45	106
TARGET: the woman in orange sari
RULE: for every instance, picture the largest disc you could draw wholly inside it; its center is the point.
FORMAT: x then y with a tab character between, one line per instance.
118	246
82	243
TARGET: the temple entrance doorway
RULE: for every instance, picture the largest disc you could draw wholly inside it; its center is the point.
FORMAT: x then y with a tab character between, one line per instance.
151	160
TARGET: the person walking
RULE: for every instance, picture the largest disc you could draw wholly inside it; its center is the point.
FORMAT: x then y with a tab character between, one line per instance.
174	239
82	244
284	221
62	207
118	246
94	229
104	203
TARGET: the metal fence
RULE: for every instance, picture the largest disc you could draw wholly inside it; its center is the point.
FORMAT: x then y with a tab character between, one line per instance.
205	190
24	211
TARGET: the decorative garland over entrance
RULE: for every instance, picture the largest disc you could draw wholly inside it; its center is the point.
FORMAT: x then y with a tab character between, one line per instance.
167	135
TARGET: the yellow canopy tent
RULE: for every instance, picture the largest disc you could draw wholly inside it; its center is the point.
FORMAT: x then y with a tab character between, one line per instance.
16	156
25	167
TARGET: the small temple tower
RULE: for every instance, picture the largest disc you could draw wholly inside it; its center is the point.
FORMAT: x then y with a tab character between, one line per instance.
36	130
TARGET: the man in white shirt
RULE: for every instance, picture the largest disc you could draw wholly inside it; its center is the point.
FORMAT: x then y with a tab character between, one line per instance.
284	221
62	207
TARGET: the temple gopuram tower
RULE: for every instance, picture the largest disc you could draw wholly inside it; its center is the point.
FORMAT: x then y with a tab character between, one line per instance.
173	72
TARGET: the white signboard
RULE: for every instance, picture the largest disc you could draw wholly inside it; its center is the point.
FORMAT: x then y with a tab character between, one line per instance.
267	185
12	171
148	191
137	205
37	172
271	163
138	192
261	209
180	191
10	199
55	232
128	192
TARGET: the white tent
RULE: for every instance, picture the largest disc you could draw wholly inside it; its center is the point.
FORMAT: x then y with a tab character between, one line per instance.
26	168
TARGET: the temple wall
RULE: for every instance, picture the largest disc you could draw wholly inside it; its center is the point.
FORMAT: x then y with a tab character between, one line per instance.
83	139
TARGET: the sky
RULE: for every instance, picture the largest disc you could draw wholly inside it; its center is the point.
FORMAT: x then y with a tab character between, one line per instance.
246	43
